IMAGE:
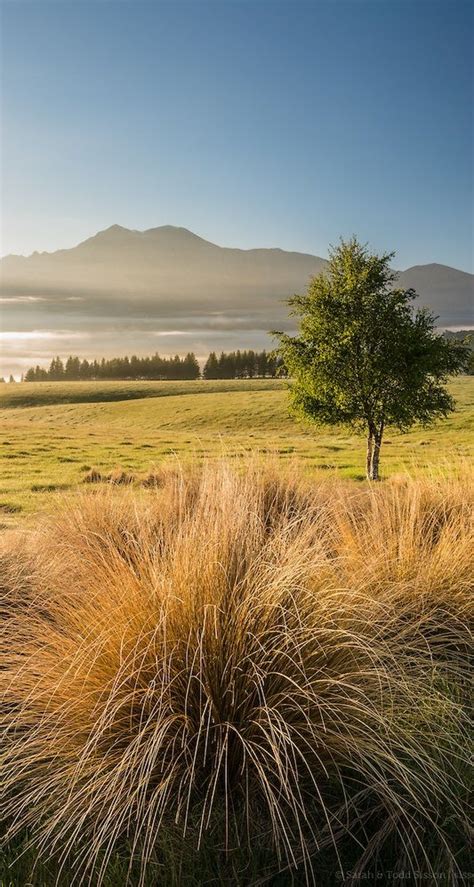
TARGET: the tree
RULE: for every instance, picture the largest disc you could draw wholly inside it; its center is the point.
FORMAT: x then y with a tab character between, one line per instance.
56	369
364	356
262	363
85	369
191	368
71	370
211	368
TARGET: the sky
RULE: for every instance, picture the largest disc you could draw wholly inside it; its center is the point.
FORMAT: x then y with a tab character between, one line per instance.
253	123
250	122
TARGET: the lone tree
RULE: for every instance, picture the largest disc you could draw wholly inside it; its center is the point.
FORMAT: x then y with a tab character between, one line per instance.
364	356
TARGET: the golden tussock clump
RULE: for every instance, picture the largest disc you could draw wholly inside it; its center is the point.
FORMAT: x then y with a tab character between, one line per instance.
118	477
240	652
93	476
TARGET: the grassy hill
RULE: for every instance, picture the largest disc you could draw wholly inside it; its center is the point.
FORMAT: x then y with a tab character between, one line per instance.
40	393
53	433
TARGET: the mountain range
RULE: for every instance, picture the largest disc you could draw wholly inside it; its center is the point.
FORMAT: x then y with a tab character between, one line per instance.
164	274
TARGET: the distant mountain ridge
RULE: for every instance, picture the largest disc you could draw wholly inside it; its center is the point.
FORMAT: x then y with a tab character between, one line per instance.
171	272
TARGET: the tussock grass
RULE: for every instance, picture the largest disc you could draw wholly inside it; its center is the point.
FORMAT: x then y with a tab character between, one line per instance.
93	476
118	476
239	657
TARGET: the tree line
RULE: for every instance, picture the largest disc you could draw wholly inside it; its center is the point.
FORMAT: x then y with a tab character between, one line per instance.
232	365
243	365
240	364
152	367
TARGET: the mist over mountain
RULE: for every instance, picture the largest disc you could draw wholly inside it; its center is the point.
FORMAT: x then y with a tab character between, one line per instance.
169	282
158	273
165	271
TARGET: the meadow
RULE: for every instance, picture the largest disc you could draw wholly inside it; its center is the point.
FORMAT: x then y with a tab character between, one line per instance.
53	434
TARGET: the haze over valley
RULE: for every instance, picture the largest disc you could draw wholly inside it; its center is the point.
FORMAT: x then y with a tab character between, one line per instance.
167	289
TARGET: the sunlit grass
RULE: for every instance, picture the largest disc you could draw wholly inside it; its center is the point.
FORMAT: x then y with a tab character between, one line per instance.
52	446
240	658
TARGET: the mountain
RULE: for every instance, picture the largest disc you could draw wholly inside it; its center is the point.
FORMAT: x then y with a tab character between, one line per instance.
161	270
165	274
447	291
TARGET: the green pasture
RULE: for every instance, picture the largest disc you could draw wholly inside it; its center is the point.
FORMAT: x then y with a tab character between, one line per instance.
53	433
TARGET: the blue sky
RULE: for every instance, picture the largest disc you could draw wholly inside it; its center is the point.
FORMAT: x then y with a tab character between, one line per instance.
253	123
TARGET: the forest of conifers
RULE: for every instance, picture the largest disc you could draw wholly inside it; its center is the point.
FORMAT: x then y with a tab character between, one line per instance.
231	365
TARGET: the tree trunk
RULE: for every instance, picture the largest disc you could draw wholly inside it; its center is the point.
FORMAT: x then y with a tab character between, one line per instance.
370	449
373	472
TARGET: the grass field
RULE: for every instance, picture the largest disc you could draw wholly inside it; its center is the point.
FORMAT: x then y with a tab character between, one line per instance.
53	433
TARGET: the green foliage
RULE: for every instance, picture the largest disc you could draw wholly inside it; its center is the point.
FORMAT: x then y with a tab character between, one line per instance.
364	356
466	337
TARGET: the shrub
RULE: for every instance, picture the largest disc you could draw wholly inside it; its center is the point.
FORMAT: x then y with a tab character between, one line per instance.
120	476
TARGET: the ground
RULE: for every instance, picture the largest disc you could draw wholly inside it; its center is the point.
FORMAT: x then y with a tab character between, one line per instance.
53	433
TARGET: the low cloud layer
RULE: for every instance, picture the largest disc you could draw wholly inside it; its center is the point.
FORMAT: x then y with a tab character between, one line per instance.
21	349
